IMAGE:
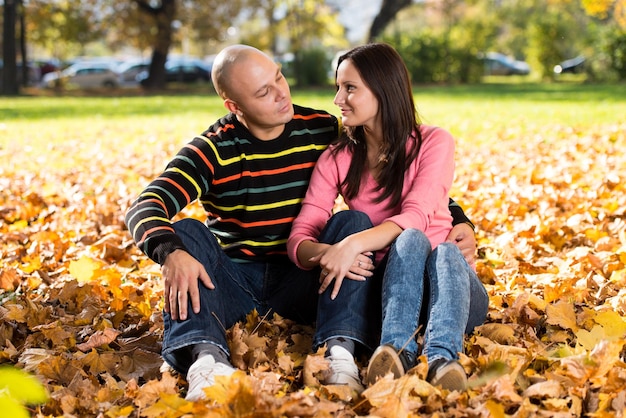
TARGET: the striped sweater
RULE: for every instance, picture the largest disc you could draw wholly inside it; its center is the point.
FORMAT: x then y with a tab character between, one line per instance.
250	189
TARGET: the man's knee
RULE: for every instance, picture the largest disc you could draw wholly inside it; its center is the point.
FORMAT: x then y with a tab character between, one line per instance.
187	225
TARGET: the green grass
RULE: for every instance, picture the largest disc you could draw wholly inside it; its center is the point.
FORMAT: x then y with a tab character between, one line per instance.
473	113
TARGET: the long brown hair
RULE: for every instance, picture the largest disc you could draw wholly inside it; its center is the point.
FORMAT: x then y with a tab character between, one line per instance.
385	74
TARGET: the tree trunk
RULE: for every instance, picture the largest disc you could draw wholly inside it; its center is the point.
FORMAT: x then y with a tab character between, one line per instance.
9	71
388	11
23	52
164	16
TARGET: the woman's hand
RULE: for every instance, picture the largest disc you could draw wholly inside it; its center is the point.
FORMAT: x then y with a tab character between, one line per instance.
341	261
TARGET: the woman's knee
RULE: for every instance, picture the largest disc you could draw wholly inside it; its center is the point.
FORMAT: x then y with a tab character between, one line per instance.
412	240
352	217
451	254
343	224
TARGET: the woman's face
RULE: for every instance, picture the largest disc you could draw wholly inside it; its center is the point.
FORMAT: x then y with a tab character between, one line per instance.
357	103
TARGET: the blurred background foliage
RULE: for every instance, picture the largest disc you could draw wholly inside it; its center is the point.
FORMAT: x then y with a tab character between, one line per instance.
442	41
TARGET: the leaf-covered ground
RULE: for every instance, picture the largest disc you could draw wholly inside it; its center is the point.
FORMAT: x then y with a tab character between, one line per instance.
80	305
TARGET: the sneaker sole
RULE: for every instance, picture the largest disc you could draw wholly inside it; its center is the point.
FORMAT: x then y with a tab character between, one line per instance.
384	360
450	378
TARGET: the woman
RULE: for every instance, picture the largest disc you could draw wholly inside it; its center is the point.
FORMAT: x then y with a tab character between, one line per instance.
394	175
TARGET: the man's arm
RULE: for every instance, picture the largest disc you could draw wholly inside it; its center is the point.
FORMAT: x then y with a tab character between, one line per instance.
149	222
458	216
462	233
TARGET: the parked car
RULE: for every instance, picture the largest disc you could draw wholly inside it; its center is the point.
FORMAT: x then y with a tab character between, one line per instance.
573	66
83	75
500	64
47	66
129	70
183	70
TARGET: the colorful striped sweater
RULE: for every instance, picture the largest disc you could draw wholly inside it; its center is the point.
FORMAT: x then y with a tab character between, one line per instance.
250	189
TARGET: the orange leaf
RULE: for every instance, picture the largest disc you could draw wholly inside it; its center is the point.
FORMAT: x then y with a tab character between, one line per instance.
9	279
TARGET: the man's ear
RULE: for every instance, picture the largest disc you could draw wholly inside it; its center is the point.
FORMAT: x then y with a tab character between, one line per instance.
232	107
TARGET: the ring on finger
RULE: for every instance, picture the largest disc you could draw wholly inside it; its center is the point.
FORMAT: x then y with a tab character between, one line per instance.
324	273
360	263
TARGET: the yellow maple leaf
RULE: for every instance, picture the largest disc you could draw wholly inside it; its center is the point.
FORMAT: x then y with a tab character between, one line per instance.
31	263
618	277
496	409
233	392
168	405
589	339
84	268
614	325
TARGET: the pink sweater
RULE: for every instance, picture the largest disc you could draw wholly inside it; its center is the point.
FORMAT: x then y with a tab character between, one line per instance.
424	203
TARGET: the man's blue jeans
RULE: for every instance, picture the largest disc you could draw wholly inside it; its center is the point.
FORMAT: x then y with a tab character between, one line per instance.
281	287
433	288
355	312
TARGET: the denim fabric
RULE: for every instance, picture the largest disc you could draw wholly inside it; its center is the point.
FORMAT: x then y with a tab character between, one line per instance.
281	287
458	302
357	305
239	288
437	289
403	289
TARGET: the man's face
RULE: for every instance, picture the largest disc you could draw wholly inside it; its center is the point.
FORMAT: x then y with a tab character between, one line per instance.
262	95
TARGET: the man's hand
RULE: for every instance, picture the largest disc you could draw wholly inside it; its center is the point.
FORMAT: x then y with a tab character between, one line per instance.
180	274
463	236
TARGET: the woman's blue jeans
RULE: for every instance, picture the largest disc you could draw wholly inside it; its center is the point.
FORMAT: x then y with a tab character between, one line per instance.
436	289
280	287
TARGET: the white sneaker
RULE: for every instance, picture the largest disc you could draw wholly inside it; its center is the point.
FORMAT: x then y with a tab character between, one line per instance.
202	374
343	369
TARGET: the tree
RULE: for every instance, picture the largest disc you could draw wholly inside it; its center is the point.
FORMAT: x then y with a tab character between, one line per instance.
163	15
9	52
202	21
63	28
388	11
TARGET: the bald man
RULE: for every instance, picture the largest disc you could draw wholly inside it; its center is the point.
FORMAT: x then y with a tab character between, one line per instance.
250	171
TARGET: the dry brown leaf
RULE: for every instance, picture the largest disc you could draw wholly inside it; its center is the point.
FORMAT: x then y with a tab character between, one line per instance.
500	333
315	366
149	393
551	236
99	338
547	389
562	314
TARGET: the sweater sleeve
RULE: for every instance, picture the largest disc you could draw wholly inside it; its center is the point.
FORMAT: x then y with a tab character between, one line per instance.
429	179
149	217
458	215
317	206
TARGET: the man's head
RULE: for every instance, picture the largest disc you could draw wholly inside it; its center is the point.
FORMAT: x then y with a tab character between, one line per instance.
254	89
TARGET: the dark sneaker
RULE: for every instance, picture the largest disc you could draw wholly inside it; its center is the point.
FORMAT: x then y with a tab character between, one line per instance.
448	374
386	359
